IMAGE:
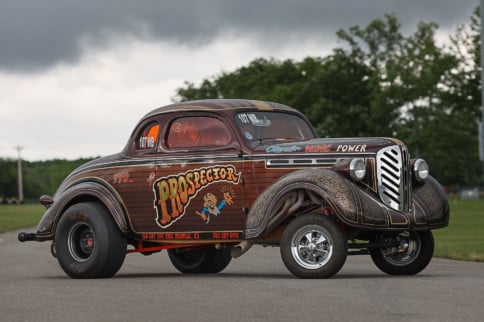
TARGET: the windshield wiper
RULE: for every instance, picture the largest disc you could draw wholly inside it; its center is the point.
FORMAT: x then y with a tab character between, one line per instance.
278	139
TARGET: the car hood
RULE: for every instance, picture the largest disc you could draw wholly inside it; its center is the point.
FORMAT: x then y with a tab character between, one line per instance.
327	146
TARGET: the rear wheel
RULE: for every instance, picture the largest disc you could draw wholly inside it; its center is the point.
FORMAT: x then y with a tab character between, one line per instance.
88	244
200	259
413	254
313	246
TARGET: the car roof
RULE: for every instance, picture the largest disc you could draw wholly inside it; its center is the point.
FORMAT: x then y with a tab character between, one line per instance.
220	104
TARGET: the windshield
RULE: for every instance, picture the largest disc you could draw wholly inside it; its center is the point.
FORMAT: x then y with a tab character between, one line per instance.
272	126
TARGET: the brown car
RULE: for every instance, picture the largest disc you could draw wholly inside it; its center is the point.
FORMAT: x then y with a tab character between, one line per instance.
208	179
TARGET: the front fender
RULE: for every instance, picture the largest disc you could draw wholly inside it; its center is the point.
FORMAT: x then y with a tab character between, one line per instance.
353	205
430	205
79	192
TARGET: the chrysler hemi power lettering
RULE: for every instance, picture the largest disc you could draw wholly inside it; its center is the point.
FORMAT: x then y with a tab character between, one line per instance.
206	180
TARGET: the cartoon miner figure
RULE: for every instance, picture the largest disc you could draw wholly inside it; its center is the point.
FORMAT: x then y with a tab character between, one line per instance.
210	205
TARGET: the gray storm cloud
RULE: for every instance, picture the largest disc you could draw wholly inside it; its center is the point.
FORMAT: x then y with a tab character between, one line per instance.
38	34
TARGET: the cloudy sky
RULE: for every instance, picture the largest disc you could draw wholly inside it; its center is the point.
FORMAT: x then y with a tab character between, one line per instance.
76	76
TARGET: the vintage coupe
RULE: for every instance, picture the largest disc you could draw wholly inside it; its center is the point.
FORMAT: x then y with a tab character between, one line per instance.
208	179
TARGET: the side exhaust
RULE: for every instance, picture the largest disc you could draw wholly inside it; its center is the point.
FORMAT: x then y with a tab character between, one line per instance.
23	237
288	206
241	248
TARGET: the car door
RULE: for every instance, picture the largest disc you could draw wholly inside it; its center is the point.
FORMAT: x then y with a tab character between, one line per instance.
198	191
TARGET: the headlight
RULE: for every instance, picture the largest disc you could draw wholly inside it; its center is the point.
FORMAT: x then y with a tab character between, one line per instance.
420	170
357	169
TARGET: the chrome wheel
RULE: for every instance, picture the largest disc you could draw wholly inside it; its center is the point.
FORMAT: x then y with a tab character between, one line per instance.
312	247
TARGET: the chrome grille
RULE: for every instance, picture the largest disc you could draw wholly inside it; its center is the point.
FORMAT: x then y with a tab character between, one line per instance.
407	181
394	176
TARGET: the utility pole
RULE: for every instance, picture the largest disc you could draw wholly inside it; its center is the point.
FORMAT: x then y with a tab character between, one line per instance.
20	180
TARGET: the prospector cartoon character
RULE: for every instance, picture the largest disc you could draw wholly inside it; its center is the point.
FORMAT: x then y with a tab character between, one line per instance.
210	205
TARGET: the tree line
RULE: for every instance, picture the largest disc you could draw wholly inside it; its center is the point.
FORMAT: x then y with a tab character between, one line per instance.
380	82
39	177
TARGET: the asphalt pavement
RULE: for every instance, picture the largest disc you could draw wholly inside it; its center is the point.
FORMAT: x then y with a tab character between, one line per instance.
254	287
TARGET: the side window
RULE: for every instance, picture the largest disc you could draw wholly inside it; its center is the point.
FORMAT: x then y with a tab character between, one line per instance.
148	137
187	132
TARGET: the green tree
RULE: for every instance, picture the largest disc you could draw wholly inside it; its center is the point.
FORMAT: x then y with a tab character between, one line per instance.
8	179
427	95
378	47
379	83
462	99
340	105
39	177
43	177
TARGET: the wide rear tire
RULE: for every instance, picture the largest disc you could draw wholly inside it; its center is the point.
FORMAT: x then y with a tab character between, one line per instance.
88	244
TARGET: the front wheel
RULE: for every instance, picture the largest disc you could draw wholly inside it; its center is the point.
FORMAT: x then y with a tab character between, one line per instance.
413	254
313	246
200	259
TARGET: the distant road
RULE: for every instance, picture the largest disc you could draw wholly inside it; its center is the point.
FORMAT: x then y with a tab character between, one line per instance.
255	287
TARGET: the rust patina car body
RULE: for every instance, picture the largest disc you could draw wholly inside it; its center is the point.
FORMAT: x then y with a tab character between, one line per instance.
208	179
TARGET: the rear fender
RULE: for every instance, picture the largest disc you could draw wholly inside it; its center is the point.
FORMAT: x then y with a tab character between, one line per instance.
80	192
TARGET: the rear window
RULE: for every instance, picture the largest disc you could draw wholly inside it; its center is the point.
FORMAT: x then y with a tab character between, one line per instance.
148	137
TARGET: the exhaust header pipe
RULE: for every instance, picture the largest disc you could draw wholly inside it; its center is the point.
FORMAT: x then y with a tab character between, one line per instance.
241	248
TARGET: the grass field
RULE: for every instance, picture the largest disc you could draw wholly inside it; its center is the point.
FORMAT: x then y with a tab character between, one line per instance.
13	217
462	240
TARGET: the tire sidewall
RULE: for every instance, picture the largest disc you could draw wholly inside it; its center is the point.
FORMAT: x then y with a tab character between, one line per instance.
419	263
109	249
329	226
208	260
217	259
188	261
